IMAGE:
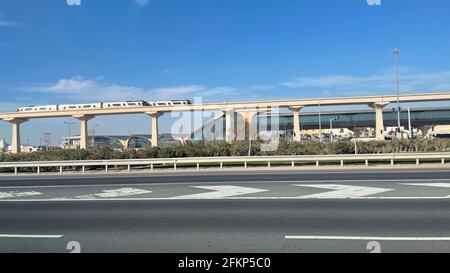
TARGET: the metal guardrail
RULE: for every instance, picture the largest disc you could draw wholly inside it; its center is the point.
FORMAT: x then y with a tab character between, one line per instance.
197	161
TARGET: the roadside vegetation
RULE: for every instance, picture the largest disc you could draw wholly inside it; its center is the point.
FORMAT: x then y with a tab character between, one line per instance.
221	148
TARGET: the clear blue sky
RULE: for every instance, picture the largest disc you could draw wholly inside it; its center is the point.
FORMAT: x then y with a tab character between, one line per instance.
220	50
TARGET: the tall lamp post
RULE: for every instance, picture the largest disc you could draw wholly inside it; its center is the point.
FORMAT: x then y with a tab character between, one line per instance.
93	135
331	128
320	123
396	52
69	123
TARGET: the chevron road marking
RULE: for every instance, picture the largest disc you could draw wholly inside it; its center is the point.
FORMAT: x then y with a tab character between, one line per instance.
12	194
114	193
219	192
338	191
341	191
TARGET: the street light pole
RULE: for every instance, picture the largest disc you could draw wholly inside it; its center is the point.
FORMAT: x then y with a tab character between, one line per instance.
320	124
396	52
331	130
93	135
69	123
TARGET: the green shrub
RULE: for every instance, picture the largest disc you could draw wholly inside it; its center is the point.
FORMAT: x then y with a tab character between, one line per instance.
238	148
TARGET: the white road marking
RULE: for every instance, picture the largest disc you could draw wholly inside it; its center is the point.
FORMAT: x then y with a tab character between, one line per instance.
369	238
13	194
222	173
224	182
114	193
341	191
225	198
232	193
439	185
219	192
30	236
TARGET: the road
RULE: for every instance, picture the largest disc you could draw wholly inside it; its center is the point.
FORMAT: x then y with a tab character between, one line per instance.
265	211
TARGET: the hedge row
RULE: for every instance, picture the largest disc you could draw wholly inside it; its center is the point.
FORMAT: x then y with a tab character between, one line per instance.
220	148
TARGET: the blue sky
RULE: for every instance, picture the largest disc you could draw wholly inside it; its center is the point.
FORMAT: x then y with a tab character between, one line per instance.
220	50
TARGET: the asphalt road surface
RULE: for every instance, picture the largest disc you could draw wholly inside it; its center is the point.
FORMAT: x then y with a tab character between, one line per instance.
265	211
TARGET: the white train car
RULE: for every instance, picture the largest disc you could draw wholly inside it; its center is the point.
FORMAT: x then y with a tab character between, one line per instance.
87	106
102	105
124	104
181	102
42	108
170	103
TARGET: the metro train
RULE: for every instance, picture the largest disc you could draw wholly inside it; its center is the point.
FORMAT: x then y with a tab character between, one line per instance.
102	105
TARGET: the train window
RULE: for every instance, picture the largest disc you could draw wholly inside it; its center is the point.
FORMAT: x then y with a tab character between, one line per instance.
86	106
131	104
116	104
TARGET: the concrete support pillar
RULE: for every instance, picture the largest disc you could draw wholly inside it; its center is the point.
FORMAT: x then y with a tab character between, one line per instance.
125	142
155	132
15	145
84	130
296	113
247	130
379	122
250	128
230	135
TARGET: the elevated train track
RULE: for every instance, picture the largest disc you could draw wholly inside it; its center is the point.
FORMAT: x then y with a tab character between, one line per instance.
247	109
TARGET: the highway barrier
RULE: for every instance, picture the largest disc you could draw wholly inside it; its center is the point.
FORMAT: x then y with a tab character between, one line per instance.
197	163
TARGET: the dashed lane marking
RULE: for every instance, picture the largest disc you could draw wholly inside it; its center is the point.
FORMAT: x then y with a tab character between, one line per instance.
366	238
